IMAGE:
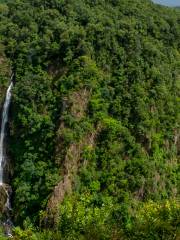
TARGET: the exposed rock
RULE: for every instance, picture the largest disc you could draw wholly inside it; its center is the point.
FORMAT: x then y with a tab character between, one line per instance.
79	103
5	194
8	169
3	198
71	165
71	158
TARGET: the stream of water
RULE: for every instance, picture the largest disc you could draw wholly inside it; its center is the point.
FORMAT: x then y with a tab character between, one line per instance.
3	130
5	117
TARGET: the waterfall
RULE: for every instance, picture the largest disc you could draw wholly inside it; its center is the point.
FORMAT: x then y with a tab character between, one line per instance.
7	224
3	129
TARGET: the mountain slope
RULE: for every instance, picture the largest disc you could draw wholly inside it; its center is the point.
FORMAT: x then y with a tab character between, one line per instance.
95	116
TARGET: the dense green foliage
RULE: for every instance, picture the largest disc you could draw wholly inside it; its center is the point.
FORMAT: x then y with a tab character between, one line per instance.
125	54
4	73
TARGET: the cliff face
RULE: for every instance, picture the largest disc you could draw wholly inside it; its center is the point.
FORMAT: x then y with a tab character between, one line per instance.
3	199
4	80
70	160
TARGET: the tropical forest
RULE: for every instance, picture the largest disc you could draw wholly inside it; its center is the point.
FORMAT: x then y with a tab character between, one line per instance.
90	120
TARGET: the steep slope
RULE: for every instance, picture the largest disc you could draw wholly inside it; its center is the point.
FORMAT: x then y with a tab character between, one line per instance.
95	118
4	73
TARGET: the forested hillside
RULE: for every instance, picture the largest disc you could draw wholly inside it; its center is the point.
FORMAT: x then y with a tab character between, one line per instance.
94	128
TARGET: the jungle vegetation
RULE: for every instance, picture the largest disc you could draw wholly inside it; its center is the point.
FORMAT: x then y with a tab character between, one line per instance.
95	101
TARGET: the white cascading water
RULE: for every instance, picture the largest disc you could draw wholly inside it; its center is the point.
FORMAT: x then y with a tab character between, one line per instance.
3	129
7	224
